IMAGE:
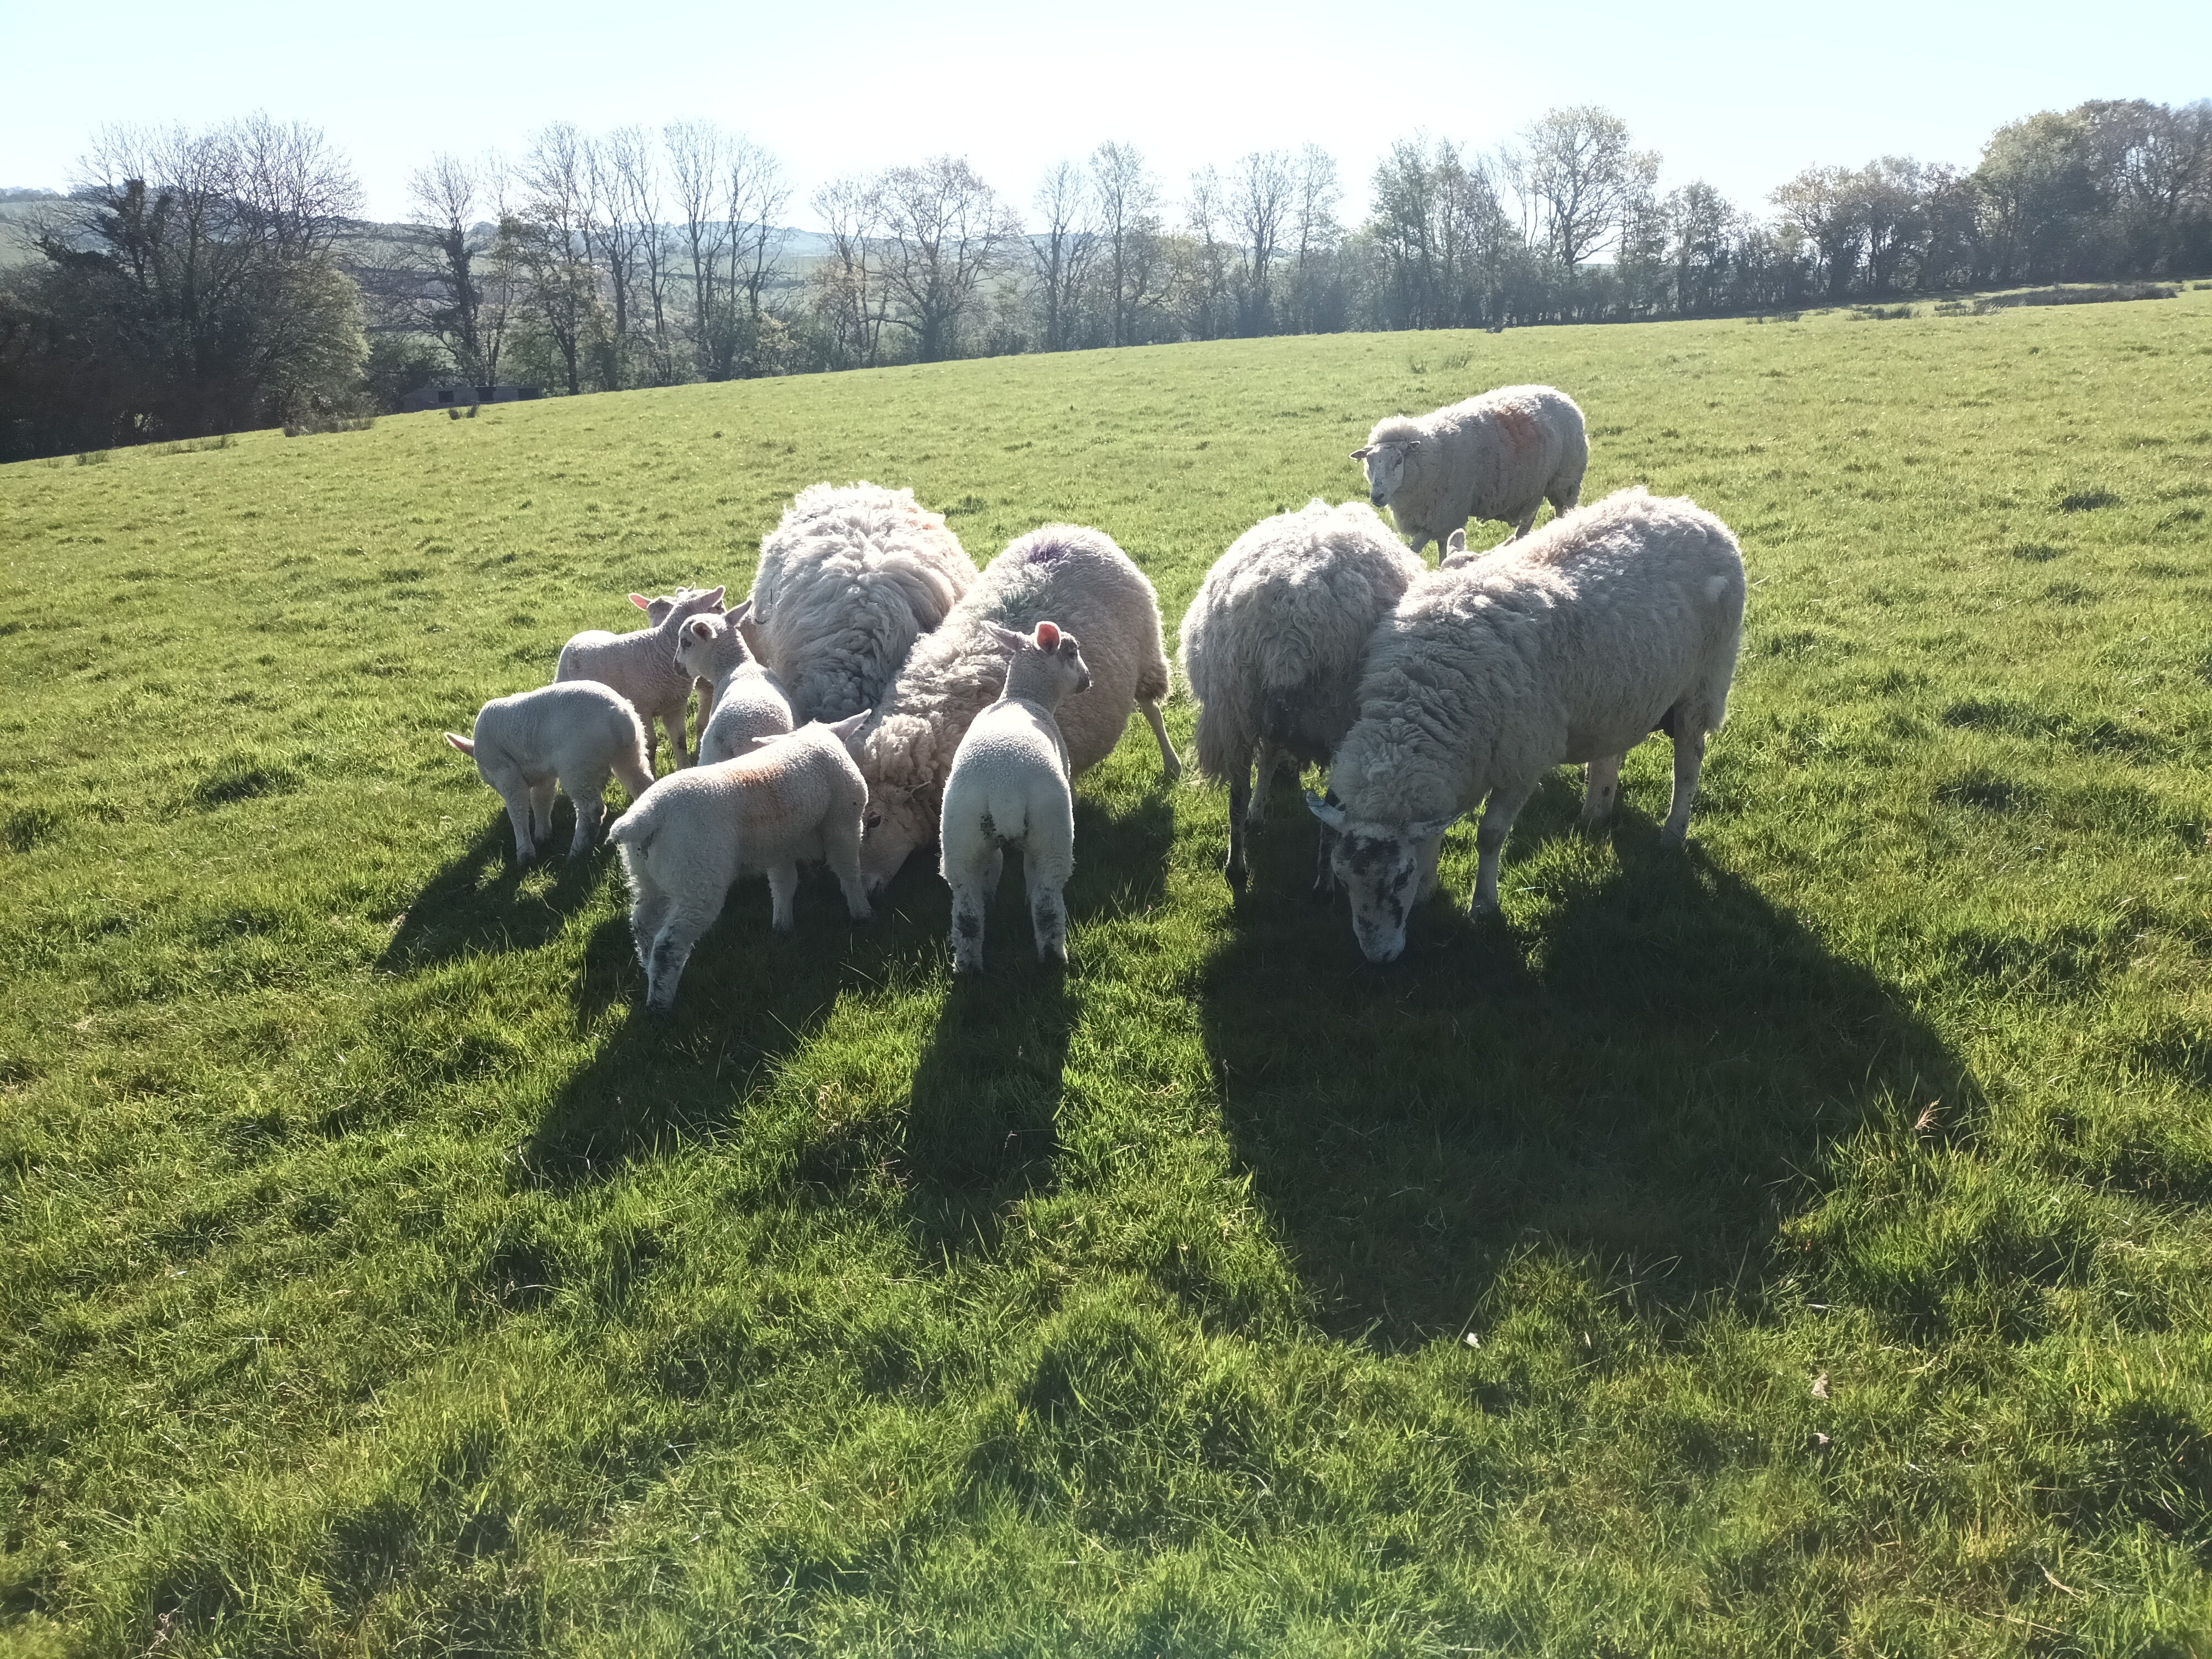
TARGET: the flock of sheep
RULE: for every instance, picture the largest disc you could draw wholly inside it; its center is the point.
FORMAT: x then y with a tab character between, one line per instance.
876	692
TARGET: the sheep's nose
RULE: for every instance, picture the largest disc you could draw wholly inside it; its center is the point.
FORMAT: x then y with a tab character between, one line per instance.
1376	497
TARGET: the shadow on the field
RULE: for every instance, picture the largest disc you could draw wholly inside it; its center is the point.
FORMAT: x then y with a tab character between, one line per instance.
1642	1077
477	901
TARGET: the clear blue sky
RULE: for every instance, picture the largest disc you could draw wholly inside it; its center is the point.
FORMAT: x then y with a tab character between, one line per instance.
1743	95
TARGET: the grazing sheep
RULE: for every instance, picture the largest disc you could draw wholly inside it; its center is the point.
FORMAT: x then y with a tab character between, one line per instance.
1615	621
642	665
1498	456
1011	787
694	833
577	735
747	701
847	581
1086	585
1272	645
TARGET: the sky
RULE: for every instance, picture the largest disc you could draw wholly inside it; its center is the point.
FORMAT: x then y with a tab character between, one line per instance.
1742	96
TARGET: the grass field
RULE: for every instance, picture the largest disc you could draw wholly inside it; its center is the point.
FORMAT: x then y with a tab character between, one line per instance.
1800	1245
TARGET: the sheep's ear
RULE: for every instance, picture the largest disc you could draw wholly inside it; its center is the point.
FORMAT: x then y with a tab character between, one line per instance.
466	745
641	601
1429	830
1456	543
700	629
744	609
1361	454
1007	637
714	596
1047	636
1331	816
1413	446
844	729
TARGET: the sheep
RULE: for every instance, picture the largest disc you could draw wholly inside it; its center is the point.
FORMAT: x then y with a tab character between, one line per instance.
1615	621
1010	786
747	701
1498	456
641	665
797	796
1085	583
1272	646
576	734
847	581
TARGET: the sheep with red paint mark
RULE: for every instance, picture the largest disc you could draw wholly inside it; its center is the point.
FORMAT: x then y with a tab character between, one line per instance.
1500	456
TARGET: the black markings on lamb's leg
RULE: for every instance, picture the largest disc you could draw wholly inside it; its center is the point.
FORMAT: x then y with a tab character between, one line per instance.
990	829
1324	881
971	925
669	953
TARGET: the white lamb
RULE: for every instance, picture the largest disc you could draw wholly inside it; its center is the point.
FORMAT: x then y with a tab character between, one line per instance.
747	701
1498	456
1011	787
576	735
1086	585
694	833
642	666
1609	623
847	581
1272	647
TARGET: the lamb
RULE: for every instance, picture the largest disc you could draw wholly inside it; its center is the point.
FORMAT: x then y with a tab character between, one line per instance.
575	735
1615	621
1011	787
847	581
747	701
1498	456
641	665
1085	583
1272	646
795	797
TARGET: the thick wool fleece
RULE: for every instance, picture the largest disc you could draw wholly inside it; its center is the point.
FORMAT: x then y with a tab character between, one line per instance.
848	579
1064	574
1501	455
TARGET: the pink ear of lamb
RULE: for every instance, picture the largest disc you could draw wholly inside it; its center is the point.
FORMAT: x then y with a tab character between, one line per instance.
641	601
1047	636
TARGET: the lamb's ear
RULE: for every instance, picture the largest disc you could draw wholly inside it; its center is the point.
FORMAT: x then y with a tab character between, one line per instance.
1331	816
714	596
1047	636
641	601
1456	543
1429	830
1361	454
700	629
744	609
466	745
1413	446
1007	637
843	730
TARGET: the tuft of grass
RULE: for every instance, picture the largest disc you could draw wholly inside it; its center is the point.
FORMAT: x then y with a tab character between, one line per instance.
1794	1244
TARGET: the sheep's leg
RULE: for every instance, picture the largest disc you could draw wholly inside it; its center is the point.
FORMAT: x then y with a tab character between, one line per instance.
1525	523
1601	787
1271	762
973	877
1504	807
541	809
841	849
664	968
1242	813
1689	761
1170	761
591	812
518	814
1324	881
648	914
783	889
674	721
1048	912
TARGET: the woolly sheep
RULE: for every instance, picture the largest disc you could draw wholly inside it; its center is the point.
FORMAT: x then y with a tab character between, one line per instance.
1085	583
1612	622
641	665
747	701
577	735
694	833
1498	456
1011	787
1272	646
847	581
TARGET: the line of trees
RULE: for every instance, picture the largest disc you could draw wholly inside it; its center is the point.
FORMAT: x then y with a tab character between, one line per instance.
195	283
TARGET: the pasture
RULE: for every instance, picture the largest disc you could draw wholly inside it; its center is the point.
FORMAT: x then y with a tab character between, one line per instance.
1802	1244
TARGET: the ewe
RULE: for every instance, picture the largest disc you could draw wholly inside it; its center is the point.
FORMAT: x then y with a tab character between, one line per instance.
1011	787
847	581
642	666
1272	645
1498	456
1085	584
694	833
747	701
1616	620
577	735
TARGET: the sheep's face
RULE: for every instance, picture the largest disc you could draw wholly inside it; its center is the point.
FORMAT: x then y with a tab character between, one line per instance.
695	646
893	825
1385	869
1386	471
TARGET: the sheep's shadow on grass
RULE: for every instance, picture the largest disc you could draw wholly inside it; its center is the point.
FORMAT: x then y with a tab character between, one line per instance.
476	903
1642	1077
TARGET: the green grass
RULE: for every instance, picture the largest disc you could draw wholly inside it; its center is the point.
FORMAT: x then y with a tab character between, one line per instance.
1827	1206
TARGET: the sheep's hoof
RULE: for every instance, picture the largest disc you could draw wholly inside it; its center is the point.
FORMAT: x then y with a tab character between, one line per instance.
1234	875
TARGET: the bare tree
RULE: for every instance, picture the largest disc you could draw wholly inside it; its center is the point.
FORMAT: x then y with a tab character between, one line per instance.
1206	281
553	235
1064	249
1260	202
1580	183
1823	204
1314	233
1127	199
619	234
454	206
637	180
851	294
695	162
943	231
757	192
